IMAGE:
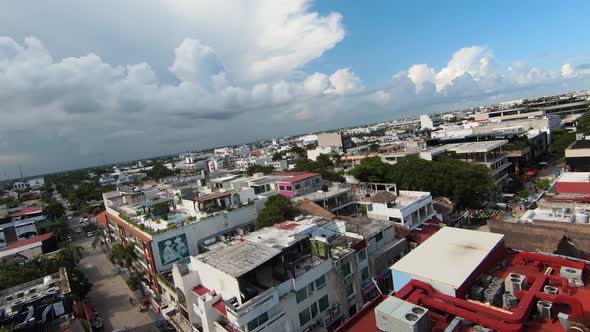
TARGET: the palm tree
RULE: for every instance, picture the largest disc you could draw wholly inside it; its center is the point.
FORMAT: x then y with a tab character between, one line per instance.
100	236
59	228
123	254
68	256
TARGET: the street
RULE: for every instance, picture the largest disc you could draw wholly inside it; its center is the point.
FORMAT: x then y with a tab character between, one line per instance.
110	294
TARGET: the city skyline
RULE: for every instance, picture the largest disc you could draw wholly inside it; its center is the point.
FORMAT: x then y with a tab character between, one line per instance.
101	87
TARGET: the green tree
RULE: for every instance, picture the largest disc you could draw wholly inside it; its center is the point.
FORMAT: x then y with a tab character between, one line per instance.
123	254
259	169
59	228
278	156
466	184
299	150
324	161
159	171
277	209
561	139
54	210
100	236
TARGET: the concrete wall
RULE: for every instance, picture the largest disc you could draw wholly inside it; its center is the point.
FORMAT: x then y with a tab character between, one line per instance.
330	139
543	236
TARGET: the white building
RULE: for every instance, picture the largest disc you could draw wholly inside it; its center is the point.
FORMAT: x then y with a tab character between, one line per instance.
19	186
279	165
408	208
328	150
36	183
426	122
268	281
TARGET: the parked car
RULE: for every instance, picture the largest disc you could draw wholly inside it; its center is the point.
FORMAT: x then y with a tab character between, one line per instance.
77	230
90	234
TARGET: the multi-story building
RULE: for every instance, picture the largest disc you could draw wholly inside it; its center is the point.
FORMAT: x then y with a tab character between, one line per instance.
488	153
338	140
560	105
299	183
39	305
296	275
165	230
407	208
268	281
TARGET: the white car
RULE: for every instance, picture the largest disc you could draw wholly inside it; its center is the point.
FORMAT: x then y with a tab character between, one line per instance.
77	230
90	234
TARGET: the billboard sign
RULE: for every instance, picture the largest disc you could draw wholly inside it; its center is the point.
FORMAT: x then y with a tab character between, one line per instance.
173	249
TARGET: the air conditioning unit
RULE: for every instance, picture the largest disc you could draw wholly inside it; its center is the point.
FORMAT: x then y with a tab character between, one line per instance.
479	328
476	293
544	309
514	282
573	275
509	301
550	290
395	314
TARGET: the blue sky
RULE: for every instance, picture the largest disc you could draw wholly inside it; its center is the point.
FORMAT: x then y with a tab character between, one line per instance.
82	82
384	37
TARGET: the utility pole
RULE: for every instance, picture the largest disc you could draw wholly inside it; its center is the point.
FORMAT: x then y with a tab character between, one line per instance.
20	170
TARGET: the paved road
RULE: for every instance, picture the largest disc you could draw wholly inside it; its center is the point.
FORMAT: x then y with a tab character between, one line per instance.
110	295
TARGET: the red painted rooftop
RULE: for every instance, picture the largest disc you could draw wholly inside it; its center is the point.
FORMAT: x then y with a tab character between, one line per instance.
287	226
102	217
425	231
21	243
534	266
299	177
29	210
220	307
200	290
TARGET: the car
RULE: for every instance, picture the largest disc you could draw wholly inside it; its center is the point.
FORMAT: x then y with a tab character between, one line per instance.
90	234
77	230
69	217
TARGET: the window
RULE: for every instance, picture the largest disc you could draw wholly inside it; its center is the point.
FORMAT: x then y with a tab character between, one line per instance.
256	322
345	269
370	207
379	237
365	273
281	187
314	310
310	288
320	282
301	294
323	303
297	186
362	255
349	290
289	188
304	317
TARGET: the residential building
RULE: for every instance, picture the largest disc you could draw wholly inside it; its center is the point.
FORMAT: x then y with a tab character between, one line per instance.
327	150
299	183
427	122
19	186
577	156
337	139
271	280
166	230
406	208
462	280
278	165
38	305
36	183
488	153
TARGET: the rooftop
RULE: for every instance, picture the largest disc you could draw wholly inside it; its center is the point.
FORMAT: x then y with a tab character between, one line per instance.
475	147
574	177
282	235
581	144
533	266
449	256
239	258
299	177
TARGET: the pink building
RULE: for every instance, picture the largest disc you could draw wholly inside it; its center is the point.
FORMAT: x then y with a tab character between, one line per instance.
300	183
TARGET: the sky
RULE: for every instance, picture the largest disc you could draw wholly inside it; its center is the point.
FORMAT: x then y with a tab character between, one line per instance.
84	83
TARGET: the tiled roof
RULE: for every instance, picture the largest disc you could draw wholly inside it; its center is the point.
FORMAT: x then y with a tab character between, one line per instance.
32	240
200	290
220	307
29	210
